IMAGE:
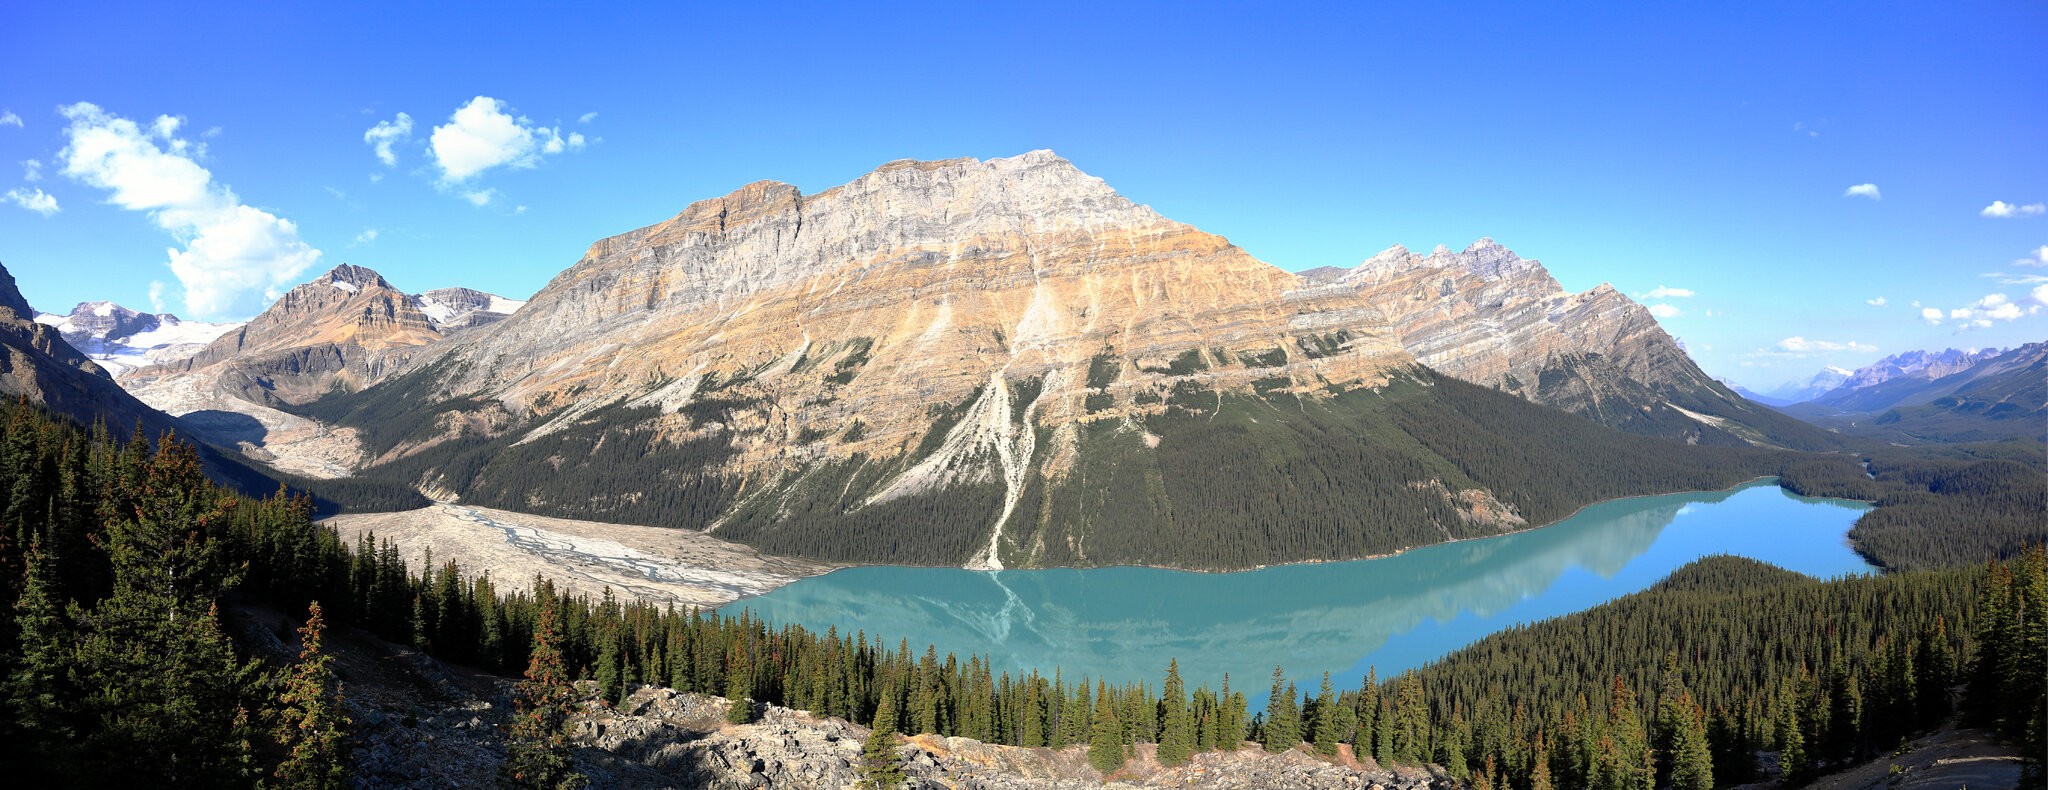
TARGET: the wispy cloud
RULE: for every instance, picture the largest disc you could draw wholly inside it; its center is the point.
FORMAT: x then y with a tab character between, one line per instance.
2000	209
1877	302
35	200
1666	292
2039	257
586	117
386	135
368	235
1801	345
1661	310
1863	190
31	170
8	118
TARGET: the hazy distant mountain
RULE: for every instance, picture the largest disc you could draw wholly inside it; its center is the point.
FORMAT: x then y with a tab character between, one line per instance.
121	340
1900	379
1827	380
2000	396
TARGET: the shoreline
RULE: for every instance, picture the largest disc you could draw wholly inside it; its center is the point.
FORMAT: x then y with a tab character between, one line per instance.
1567	517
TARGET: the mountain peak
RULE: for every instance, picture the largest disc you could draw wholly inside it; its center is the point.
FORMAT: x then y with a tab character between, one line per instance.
350	277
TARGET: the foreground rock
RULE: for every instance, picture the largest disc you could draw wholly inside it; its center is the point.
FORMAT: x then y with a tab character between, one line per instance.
420	723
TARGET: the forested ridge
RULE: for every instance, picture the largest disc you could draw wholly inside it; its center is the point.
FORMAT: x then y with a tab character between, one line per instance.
119	556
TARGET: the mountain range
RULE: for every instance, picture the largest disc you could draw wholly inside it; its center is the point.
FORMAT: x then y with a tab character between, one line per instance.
990	363
1006	362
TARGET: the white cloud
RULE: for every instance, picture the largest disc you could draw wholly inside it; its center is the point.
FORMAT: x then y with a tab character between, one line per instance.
1993	307
1800	345
1878	302
2040	294
387	134
586	117
484	134
34	200
480	197
31	170
235	257
1931	315
8	118
368	235
2000	209
1665	292
2039	257
1664	311
1863	190
156	296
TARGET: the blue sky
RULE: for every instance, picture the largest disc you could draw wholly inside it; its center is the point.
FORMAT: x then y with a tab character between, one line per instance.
1709	149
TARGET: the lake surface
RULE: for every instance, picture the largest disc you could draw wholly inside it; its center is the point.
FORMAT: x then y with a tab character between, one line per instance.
1393	613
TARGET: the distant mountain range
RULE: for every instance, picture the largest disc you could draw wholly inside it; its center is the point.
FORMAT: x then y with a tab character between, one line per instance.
1949	396
121	340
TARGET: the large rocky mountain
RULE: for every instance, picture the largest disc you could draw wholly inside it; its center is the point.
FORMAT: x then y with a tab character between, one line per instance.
121	340
37	364
342	331
1005	361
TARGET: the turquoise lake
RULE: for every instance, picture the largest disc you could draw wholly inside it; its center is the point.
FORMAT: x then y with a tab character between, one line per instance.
1393	613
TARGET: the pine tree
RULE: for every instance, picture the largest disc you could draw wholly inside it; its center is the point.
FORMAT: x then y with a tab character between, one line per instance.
611	683
1325	729
880	767
1177	738
1105	734
312	725
538	754
163	682
1283	716
741	688
38	691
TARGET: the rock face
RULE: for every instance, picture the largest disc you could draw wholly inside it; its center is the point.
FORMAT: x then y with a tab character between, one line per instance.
36	363
344	330
1491	317
957	339
121	340
454	309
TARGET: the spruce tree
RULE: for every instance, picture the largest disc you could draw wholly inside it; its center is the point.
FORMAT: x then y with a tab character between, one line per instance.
39	693
312	725
740	709
880	767
1325	732
1283	716
1105	734
1177	736
611	683
538	754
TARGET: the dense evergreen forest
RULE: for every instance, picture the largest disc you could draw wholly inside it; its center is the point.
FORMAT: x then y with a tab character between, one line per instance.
1936	506
118	558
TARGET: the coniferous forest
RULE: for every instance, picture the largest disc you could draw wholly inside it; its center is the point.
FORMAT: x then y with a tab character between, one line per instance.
120	558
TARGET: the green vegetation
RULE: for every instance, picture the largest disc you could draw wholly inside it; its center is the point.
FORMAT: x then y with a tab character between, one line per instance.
1936	506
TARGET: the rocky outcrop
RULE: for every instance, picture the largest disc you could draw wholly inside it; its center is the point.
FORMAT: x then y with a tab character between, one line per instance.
453	309
344	330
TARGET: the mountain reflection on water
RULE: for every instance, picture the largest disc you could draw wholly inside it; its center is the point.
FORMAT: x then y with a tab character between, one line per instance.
1123	624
